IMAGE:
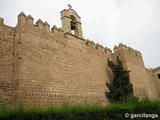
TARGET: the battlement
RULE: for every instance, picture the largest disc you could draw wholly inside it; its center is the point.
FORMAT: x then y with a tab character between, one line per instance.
98	46
89	43
29	21
54	29
1	21
128	49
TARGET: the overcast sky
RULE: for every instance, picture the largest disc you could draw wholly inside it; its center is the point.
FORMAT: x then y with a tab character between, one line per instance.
135	23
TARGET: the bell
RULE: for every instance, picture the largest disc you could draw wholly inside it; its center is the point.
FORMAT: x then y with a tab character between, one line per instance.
73	27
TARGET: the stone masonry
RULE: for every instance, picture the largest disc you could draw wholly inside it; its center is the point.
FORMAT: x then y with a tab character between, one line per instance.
39	66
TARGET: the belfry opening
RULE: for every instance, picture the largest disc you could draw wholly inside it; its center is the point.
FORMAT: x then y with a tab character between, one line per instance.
73	24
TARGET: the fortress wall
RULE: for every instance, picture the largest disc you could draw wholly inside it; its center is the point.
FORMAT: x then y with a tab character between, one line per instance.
139	77
153	74
39	65
154	79
36	51
6	62
54	67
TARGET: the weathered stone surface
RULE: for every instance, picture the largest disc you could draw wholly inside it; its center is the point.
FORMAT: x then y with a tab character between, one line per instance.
39	66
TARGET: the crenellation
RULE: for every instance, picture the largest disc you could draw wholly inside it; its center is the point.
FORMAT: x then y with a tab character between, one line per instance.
47	26
22	18
116	49
44	26
60	30
54	29
1	21
131	50
98	46
40	23
108	50
22	14
138	53
30	20
89	43
127	49
103	49
122	46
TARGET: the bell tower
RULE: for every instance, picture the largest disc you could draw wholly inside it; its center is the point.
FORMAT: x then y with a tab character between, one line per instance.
71	22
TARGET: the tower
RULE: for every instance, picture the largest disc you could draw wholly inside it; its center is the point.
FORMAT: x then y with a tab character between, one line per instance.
71	22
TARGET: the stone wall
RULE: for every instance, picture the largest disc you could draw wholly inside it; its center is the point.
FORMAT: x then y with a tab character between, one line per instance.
54	67
132	59
153	75
6	62
43	66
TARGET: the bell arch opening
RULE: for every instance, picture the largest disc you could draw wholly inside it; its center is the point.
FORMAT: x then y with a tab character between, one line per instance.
158	75
73	24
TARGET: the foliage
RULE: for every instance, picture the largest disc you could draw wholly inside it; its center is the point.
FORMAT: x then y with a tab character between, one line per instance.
120	87
114	111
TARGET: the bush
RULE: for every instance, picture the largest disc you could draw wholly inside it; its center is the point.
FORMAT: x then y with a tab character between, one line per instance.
120	88
114	111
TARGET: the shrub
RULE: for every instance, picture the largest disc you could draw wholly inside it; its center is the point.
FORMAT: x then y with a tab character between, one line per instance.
114	111
120	87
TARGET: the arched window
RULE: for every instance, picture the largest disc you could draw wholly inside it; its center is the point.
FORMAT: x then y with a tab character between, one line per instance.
73	24
158	76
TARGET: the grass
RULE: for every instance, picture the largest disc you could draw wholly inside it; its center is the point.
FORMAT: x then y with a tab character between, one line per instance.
114	111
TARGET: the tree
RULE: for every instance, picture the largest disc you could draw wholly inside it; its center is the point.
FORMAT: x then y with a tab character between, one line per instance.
120	88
